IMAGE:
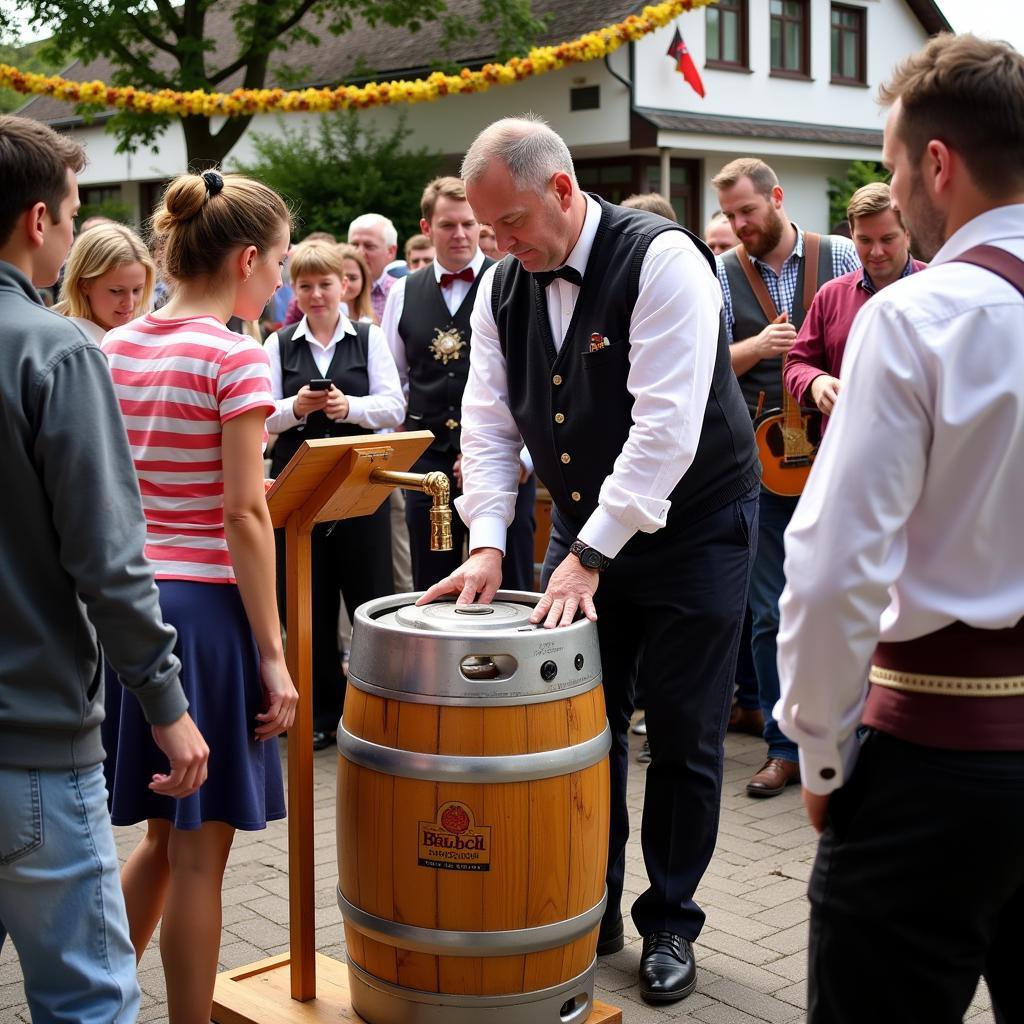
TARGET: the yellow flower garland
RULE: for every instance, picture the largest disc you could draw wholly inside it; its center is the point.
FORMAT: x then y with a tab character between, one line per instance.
539	61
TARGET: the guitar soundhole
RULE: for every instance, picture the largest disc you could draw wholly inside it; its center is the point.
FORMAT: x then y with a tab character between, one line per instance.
775	441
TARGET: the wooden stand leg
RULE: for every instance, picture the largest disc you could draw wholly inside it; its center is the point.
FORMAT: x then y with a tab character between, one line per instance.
300	765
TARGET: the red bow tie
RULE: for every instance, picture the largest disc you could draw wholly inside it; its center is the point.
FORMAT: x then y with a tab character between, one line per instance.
466	274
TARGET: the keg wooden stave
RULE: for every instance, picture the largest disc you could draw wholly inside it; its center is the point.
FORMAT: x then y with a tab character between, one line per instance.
515	938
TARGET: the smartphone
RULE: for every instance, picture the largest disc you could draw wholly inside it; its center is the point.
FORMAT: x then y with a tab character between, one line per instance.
320	384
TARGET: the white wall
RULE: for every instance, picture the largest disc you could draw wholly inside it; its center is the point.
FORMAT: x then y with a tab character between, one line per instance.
804	185
893	33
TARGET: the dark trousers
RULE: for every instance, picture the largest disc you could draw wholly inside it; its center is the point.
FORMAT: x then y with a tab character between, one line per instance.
918	887
430	566
671	615
766	584
746	675
351	560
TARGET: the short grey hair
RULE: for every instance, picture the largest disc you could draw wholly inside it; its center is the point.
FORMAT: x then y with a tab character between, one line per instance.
527	146
375	222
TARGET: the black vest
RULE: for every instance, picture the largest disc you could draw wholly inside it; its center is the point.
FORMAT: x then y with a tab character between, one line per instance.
573	408
437	351
349	370
749	319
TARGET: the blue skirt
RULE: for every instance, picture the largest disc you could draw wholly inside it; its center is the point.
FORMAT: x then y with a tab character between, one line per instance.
220	676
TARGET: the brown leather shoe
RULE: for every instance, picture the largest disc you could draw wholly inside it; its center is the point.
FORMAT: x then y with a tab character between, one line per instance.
775	775
748	720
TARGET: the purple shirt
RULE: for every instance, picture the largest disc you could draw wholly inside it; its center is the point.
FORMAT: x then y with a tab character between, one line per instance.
822	338
379	293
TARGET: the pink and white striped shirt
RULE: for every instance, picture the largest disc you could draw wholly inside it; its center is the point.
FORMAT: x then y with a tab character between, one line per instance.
178	381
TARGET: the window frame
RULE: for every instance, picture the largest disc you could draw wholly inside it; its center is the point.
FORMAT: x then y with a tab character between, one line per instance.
804	71
862	43
742	10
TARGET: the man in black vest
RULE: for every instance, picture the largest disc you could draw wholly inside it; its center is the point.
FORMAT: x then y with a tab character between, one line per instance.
597	342
773	248
426	322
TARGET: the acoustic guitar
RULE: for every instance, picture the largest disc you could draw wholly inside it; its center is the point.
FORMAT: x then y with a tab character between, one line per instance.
787	438
787	441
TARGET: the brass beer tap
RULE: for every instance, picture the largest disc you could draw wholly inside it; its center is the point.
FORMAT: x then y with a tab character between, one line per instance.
436	485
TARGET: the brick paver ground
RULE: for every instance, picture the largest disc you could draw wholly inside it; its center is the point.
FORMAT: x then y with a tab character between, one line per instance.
751	955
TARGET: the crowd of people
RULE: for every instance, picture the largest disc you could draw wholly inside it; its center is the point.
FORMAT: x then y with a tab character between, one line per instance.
672	394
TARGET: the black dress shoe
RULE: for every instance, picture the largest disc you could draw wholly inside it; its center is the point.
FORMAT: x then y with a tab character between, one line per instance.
610	938
322	740
667	970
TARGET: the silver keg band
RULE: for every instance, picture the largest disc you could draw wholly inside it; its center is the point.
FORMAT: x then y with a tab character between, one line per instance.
441	942
474	694
410	764
387	1003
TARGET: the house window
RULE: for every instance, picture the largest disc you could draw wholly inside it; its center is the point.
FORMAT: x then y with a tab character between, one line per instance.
790	38
849	37
727	35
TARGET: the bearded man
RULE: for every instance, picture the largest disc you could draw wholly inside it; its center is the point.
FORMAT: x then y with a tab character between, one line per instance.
773	253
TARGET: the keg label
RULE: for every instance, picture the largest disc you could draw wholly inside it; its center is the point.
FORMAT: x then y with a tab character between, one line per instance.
454	841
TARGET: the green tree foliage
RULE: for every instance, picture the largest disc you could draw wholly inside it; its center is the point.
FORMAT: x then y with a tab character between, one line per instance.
30	57
165	44
858	174
342	170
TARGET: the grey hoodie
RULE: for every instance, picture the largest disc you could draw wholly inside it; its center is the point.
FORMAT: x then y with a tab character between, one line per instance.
71	545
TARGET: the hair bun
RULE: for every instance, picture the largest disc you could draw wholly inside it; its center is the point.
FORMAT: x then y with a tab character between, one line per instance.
183	200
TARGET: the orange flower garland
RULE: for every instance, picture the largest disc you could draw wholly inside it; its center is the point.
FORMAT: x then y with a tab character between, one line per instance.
539	61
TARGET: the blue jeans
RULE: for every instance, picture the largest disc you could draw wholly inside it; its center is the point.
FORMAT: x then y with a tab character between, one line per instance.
766	583
60	897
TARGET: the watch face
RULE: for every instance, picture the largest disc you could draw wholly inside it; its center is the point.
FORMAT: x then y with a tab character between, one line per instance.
591	559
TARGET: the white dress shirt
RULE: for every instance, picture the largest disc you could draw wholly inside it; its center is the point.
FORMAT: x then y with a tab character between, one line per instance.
909	520
453	297
673	340
382	408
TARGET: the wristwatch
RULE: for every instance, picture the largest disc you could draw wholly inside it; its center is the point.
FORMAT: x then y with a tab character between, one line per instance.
590	558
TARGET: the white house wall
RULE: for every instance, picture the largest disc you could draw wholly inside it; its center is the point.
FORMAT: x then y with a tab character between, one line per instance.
892	33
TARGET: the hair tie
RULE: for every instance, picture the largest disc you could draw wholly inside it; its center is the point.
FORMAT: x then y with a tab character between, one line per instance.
214	183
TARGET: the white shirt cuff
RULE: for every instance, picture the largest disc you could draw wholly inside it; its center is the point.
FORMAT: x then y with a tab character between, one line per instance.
605	533
355	409
823	771
487	532
526	459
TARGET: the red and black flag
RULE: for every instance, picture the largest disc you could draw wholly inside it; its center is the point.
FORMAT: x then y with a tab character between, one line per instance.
684	63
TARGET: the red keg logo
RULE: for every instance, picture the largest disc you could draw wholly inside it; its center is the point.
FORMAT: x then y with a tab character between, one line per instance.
453	841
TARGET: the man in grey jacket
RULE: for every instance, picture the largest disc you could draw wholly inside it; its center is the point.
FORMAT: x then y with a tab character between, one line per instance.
71	567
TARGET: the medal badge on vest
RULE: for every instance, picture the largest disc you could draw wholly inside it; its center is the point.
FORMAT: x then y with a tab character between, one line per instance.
447	344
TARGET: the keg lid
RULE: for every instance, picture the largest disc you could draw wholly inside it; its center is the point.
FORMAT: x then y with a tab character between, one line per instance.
449	617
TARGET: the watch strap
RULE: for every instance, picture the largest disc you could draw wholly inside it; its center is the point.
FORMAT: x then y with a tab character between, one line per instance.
590	557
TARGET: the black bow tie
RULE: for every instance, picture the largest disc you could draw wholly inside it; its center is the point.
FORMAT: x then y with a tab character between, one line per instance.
570	274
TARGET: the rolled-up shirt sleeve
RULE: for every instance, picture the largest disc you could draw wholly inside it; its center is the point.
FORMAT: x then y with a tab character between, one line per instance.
847	544
673	341
491	442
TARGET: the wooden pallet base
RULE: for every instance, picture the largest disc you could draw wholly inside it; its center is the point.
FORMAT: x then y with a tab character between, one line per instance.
261	993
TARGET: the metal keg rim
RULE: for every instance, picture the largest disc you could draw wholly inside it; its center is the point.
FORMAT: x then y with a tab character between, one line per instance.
368	616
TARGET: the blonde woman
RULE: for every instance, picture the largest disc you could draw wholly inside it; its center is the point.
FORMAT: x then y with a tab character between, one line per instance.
355	290
108	280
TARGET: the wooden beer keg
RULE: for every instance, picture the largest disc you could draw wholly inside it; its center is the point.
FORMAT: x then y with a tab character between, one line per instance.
472	814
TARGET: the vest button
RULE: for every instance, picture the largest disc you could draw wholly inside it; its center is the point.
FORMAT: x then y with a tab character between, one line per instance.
576	496
559	417
450	373
557	379
566	458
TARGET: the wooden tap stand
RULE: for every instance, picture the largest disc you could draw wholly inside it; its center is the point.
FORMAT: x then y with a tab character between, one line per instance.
326	480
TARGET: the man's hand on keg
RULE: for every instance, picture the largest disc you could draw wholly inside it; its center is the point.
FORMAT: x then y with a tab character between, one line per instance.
478	577
572	587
